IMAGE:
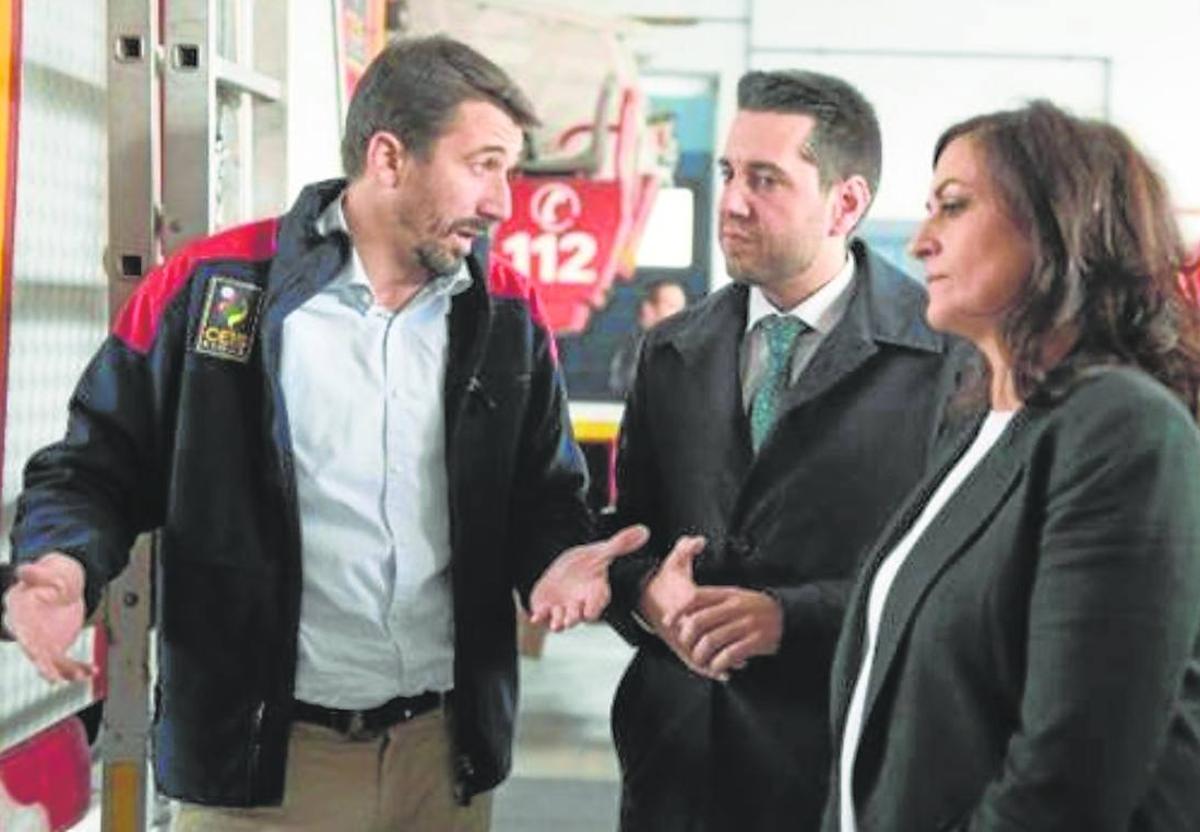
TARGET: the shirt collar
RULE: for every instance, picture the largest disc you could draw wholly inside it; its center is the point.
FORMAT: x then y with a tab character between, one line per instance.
820	311
353	281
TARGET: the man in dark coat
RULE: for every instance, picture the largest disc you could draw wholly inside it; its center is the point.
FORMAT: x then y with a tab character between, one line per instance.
774	426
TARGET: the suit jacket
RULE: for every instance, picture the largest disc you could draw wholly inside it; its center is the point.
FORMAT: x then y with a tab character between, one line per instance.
1037	661
853	436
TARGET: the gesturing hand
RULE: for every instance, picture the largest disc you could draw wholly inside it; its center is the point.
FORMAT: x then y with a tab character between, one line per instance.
44	612
672	589
727	625
575	587
671	593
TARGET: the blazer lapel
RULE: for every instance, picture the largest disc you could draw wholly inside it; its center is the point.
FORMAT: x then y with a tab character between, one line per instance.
848	656
968	510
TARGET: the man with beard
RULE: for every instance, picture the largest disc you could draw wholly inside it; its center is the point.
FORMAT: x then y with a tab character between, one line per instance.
349	478
771	430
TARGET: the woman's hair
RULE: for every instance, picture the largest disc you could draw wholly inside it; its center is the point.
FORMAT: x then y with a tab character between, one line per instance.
1107	255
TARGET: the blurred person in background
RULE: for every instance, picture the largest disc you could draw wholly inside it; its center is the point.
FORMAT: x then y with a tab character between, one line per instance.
662	299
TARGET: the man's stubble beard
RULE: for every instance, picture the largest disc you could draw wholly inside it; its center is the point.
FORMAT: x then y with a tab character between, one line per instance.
437	260
771	270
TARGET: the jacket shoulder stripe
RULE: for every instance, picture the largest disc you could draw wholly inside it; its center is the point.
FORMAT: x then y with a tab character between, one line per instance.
138	321
504	281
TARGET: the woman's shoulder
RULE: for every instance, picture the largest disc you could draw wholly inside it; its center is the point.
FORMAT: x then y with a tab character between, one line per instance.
1118	389
1115	407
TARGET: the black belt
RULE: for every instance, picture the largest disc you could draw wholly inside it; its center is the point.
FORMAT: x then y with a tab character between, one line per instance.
371	723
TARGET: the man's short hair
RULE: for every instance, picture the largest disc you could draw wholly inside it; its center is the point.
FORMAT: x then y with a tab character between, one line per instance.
412	90
845	140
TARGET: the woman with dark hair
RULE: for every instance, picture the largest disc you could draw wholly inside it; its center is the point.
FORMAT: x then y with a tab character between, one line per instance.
1021	649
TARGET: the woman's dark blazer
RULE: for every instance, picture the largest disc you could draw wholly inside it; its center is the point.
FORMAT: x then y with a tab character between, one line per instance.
1037	666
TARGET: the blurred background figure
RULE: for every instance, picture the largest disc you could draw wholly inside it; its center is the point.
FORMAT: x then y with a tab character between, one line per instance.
662	299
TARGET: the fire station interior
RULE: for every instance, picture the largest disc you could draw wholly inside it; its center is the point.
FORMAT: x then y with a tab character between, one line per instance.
133	126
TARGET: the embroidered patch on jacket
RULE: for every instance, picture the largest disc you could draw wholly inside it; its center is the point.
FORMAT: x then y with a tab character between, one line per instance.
230	318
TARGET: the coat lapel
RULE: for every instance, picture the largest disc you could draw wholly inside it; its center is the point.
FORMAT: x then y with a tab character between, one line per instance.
710	347
842	352
967	511
846	348
887	308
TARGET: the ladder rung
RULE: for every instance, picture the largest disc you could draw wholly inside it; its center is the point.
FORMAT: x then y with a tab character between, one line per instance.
236	76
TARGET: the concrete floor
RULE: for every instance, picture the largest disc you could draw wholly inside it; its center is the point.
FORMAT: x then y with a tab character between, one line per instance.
564	771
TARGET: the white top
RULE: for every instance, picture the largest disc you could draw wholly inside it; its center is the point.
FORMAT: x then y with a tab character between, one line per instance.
364	392
821	312
991	429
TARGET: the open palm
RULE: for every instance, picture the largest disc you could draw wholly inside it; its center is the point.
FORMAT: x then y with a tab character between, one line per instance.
44	612
575	587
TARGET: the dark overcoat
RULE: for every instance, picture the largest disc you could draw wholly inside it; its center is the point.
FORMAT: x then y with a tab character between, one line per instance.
853	437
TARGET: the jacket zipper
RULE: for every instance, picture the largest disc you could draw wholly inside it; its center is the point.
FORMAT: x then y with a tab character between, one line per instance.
464	767
291	570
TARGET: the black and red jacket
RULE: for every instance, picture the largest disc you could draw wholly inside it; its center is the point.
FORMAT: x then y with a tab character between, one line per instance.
166	435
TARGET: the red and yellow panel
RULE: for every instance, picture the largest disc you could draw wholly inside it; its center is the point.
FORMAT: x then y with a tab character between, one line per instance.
363	37
10	95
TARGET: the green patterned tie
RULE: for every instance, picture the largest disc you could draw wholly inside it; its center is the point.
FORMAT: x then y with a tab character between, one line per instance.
780	332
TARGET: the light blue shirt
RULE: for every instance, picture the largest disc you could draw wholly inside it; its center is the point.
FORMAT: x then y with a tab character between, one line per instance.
363	387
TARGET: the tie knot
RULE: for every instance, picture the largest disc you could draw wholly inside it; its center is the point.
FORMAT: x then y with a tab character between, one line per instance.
780	332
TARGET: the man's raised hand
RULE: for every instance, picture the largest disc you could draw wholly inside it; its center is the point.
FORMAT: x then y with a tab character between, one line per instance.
575	586
44	611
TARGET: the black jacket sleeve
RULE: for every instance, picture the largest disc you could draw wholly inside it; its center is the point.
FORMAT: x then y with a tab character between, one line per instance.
90	494
636	503
548	503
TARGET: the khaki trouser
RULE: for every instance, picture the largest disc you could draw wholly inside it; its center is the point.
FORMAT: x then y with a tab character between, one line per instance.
400	782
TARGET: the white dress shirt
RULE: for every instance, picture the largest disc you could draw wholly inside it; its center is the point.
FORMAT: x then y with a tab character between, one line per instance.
363	387
991	429
821	312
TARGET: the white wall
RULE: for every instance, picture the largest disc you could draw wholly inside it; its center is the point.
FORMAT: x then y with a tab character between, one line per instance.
917	96
1146	50
314	116
924	63
927	62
